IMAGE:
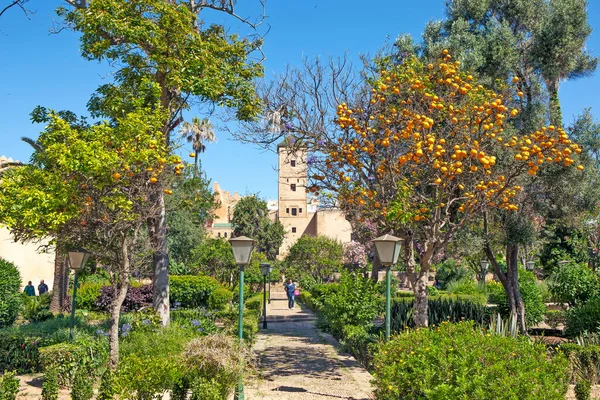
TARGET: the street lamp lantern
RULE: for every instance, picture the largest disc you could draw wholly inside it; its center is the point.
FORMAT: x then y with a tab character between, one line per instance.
387	248
242	249
265	270
77	259
242	252
530	265
484	267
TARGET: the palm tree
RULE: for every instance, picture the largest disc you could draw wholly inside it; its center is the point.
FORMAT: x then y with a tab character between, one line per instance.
198	132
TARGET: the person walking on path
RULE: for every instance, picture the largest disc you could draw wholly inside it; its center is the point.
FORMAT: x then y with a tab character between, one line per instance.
42	288
290	288
29	289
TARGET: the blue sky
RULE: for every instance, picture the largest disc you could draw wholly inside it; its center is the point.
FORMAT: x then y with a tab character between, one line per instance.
42	69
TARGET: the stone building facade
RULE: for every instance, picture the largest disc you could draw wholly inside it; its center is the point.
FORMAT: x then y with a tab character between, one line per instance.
299	214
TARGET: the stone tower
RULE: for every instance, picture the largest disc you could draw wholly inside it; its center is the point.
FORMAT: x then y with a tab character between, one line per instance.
292	177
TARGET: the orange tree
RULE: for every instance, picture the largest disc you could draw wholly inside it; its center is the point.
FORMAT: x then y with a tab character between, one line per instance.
430	151
92	186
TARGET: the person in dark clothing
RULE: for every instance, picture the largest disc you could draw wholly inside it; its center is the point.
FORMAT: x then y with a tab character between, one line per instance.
42	288
29	289
290	288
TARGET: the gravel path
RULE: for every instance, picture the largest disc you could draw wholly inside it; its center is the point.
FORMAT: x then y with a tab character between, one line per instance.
296	361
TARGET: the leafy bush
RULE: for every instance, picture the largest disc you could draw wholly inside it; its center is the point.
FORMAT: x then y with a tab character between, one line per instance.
468	287
219	298
495	292
532	298
575	284
67	359
213	364
150	361
353	303
191	291
83	386
250	323
584	362
9	386
585	318
255	302
107	386
456	361
136	298
10	299
322	291
583	390
441	309
50	385
449	271
360	343
306	298
87	295
36	308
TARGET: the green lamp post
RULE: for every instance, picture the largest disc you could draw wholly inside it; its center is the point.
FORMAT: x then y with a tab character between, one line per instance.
265	270
242	251
387	248
77	259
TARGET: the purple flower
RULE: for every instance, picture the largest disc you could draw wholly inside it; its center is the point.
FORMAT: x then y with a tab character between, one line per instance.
196	322
311	159
125	328
371	178
146	322
321	142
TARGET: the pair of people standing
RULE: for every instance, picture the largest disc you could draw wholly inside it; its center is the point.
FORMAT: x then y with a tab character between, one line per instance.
30	290
292	292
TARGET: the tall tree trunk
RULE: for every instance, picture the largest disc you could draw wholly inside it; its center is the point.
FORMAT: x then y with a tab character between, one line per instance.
517	309
59	286
555	109
375	267
121	286
160	278
418	281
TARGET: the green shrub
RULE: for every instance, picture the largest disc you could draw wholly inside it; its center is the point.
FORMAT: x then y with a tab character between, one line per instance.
219	298
321	291
360	343
149	361
83	388
445	308
255	302
88	293
432	291
213	365
532	298
575	284
36	308
354	303
50	385
449	271
583	390
67	359
20	351
495	292
466	286
9	386
585	318
10	299
107	386
306	298
456	361
191	291
584	362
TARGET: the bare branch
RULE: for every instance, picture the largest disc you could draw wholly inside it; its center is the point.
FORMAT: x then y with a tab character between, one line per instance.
20	4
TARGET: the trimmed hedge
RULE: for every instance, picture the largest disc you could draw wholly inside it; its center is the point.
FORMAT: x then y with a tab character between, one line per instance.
444	308
191	291
459	361
255	302
68	358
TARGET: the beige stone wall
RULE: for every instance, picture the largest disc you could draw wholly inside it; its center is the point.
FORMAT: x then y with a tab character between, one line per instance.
32	264
333	224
